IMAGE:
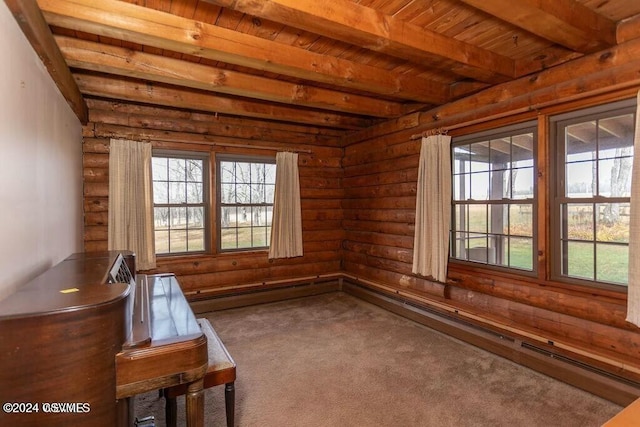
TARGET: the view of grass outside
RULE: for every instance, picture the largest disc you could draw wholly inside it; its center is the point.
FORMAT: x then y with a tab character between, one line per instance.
493	192
179	203
246	203
594	203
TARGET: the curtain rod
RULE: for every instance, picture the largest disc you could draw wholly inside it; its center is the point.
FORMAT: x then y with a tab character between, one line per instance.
430	132
228	144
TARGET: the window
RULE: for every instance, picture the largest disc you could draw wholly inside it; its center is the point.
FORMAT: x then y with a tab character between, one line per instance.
246	189
180	202
494	202
591	205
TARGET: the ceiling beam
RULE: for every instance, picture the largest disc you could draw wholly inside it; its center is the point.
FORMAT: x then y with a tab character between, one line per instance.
121	61
159	94
367	27
125	21
565	22
37	31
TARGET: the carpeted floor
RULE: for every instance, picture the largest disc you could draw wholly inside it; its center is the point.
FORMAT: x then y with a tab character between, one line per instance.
334	360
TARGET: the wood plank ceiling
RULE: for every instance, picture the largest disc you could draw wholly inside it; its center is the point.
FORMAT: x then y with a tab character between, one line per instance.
340	64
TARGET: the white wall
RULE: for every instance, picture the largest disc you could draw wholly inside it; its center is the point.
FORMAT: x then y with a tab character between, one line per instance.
40	164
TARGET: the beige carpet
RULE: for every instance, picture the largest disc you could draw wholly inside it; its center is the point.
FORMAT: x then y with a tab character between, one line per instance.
334	360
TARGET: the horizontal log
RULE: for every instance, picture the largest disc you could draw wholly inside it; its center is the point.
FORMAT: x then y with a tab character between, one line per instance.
95	204
231	279
401	202
405	242
96	189
252	131
565	328
124	109
95	175
380	251
390	228
394	280
406	216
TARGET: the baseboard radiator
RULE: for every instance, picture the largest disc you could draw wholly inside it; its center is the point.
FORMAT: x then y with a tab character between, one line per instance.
559	365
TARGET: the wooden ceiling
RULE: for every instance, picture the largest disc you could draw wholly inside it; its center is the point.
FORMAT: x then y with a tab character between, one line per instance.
341	64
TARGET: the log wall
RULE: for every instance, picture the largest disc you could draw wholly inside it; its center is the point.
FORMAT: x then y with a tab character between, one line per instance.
320	187
380	174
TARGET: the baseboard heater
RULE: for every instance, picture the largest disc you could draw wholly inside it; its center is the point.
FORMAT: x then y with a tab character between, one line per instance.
591	378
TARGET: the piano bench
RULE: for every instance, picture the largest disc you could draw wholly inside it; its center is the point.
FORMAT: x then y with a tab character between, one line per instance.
222	370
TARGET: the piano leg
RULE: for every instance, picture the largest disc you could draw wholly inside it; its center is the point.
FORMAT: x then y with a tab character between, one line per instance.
195	404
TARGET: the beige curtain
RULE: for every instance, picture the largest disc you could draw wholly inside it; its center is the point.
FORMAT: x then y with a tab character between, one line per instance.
131	201
433	208
286	228
633	297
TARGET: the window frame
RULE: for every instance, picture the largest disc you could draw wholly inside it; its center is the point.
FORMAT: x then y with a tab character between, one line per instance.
528	126
238	158
205	204
557	195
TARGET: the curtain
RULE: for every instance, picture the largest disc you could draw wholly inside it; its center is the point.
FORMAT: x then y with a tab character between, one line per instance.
131	201
433	208
633	296
286	227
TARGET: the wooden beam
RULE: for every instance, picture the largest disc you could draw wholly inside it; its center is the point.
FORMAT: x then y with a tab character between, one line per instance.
125	21
148	93
566	22
591	75
88	55
366	27
37	31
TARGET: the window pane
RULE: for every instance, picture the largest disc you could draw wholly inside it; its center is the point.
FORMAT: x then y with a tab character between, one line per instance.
194	170
177	192
229	238
227	193
229	217
498	217
196	239
243	193
581	179
227	172
499	185
521	252
479	154
257	193
521	220
478	218
580	259
616	134
195	218
180	203
259	236
612	223
160	192
178	217
522	183
251	187
580	141
178	240
159	168
177	170
161	218
480	186
461	159
499	170
462	187
162	241
612	263
270	173
579	221
615	176
194	193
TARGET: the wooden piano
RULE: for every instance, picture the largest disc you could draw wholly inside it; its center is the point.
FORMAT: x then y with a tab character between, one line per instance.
80	340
